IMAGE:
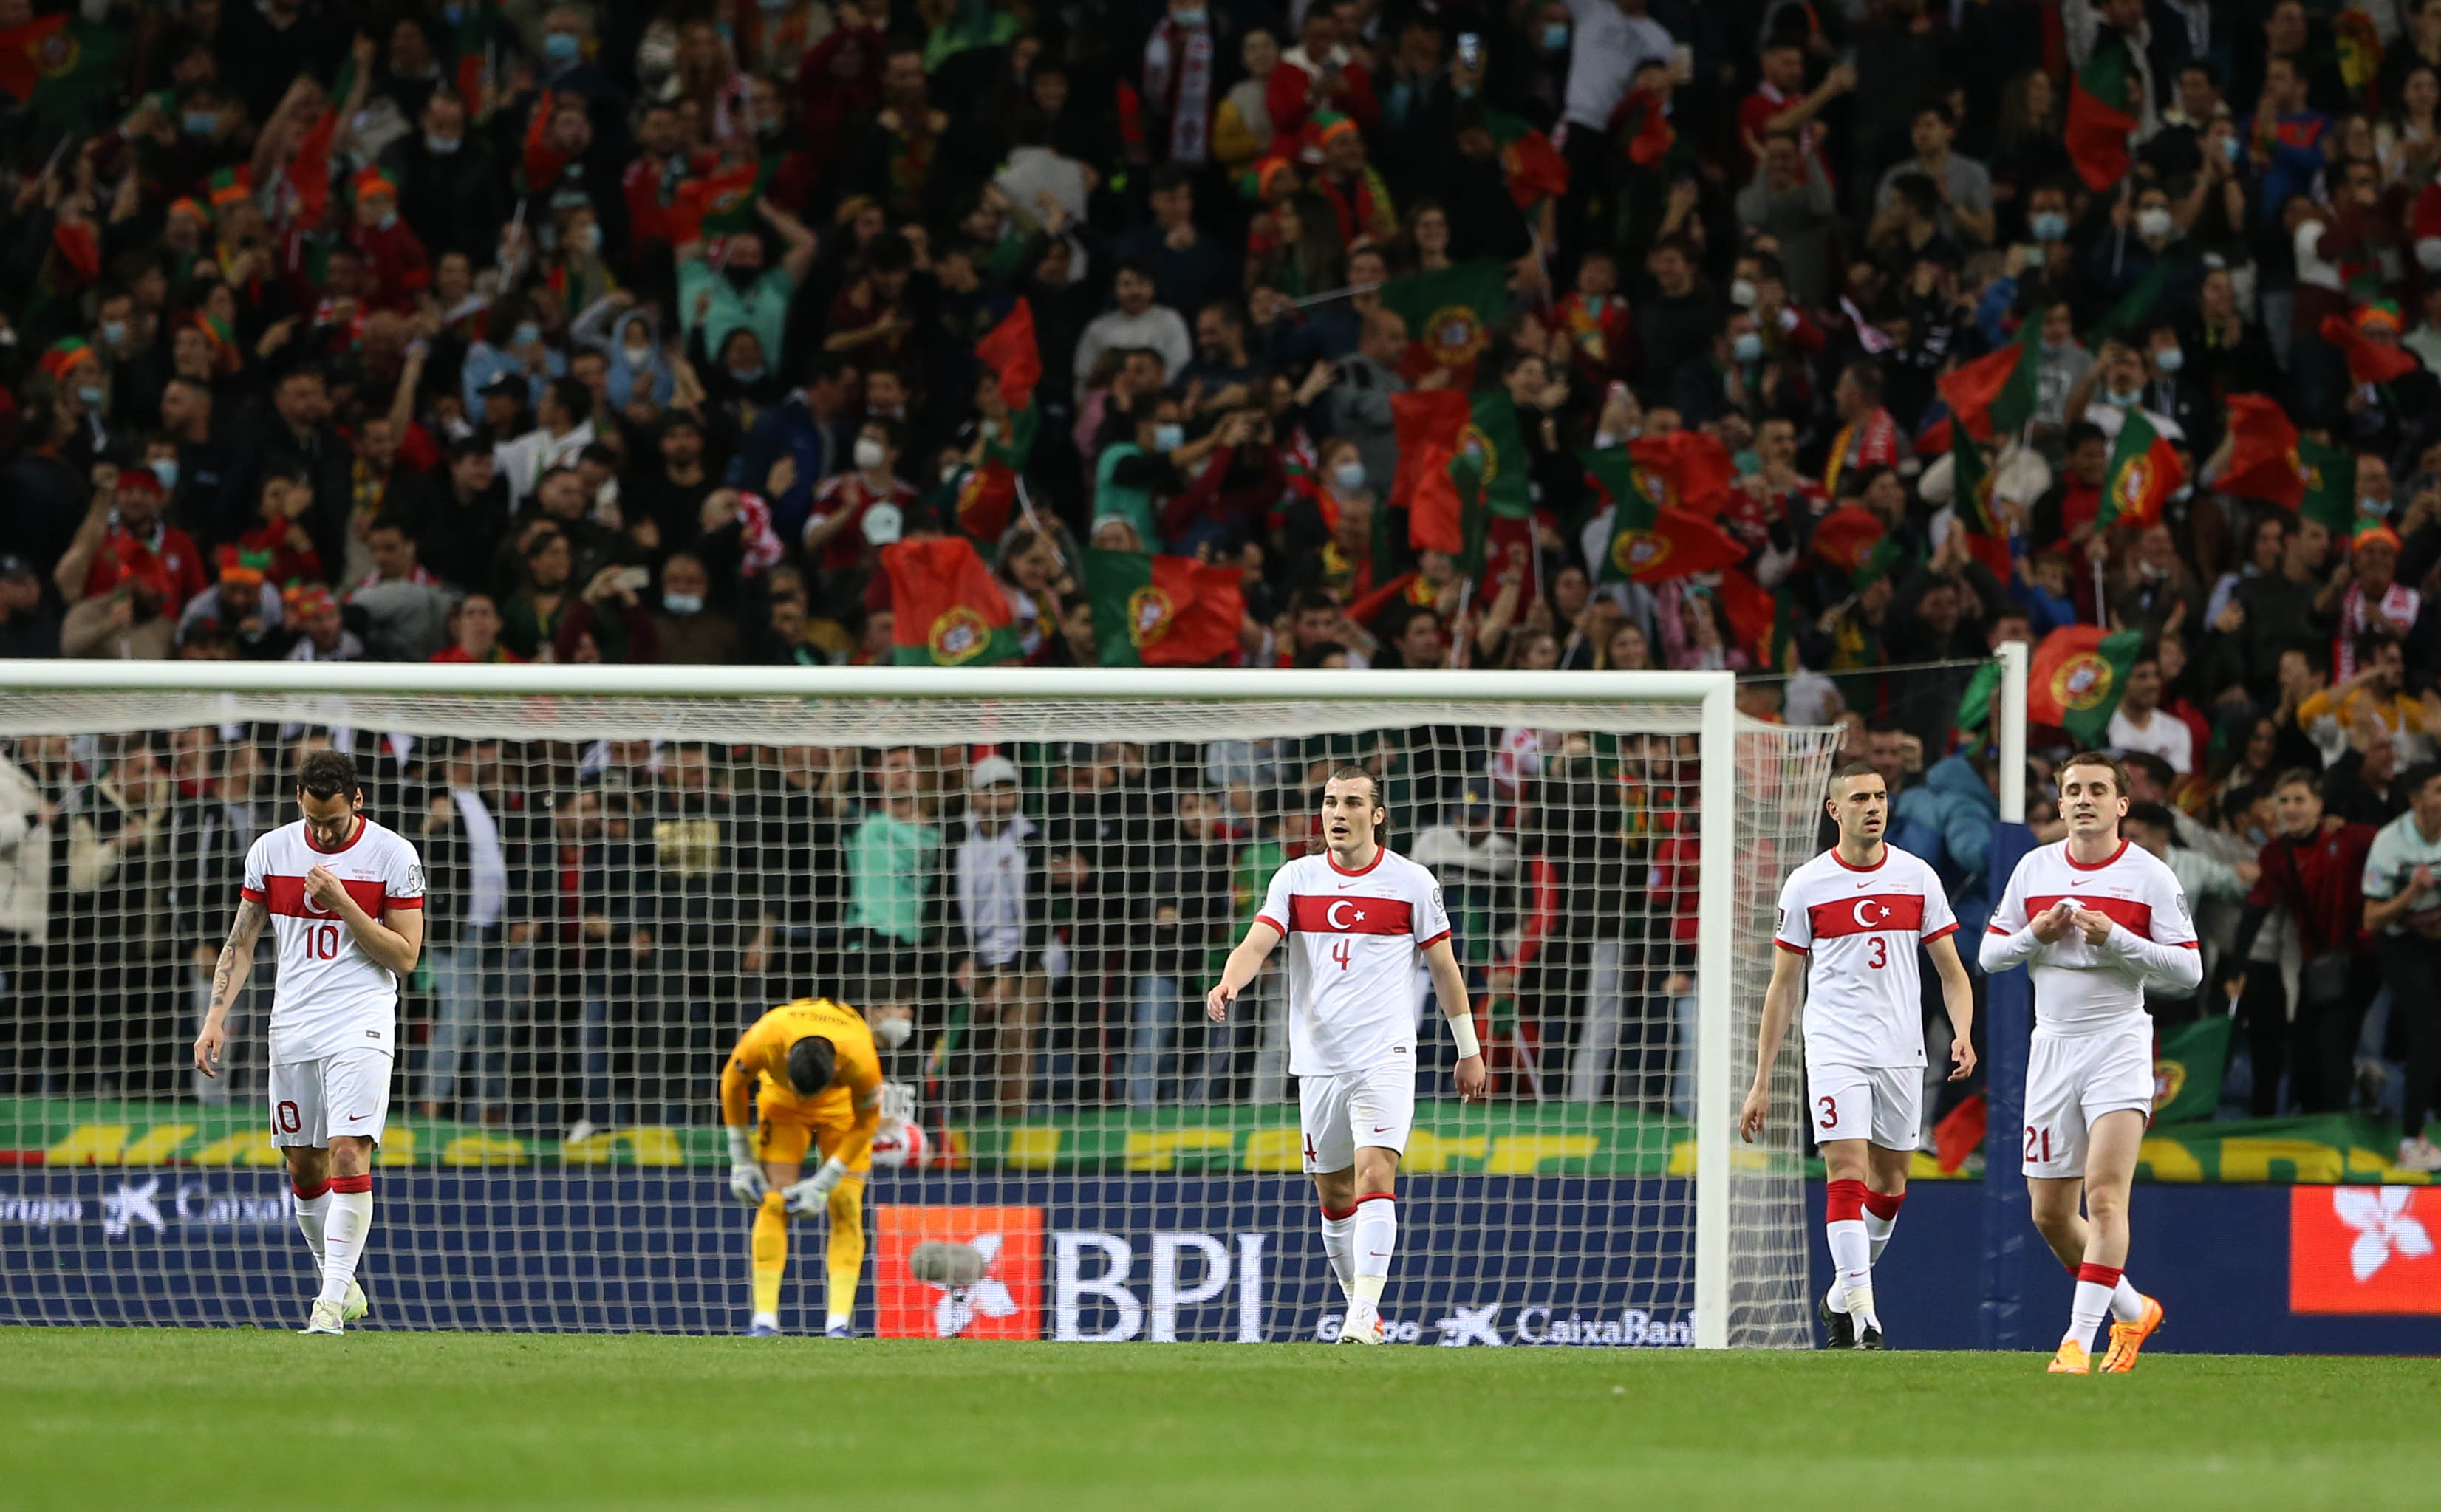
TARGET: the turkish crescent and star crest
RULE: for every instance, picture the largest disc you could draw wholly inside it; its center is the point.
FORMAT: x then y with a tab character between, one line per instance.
1871	912
1331	914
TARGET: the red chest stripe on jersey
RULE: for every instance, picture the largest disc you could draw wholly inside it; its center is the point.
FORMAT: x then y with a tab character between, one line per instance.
1350	915
286	895
2138	917
1867	913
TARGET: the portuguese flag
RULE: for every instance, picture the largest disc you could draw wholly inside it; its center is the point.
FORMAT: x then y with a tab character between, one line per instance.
60	68
479	40
1692	464
1497	444
1648	542
1970	504
1010	352
1450	316
2369	361
1993	395
717	204
1534	166
1974	705
2143	472
1445	512
1162	611
1846	537
1430	426
2271	461
985	494
2079	673
950	610
2098	123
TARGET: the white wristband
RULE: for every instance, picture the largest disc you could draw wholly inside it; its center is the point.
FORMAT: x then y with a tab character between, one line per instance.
738	1153
1462	1030
832	1172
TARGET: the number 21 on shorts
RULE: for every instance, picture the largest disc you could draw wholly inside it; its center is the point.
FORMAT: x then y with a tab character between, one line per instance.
2038	1146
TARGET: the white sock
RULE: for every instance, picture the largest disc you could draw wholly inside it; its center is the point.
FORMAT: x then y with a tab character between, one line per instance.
1339	1242
311	1212
1375	1237
345	1227
766	1320
835	1319
2085	1315
1852	1255
2127	1303
1877	1230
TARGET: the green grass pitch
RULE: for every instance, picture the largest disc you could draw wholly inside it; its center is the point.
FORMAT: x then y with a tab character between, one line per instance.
257	1420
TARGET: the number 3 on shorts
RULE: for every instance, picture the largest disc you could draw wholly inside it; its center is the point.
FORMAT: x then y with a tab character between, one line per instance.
1830	1111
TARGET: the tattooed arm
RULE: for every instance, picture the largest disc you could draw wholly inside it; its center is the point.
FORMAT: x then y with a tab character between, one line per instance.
229	979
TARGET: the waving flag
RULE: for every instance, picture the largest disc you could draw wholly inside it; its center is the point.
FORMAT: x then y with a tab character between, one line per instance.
1162	611
2098	123
948	608
1649	543
2143	472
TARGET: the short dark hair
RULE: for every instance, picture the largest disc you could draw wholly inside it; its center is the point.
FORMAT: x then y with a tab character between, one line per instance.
1848	770
2157	815
573	396
2104	760
328	774
2081	431
2369	645
2156	770
2416	777
811	1063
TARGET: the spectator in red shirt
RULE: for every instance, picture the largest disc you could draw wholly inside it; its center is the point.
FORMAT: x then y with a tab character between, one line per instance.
835	525
475	628
396	269
2314	868
1318	73
124	538
1780	102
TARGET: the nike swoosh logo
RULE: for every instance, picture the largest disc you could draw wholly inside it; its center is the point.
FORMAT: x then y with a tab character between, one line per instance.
1381	1129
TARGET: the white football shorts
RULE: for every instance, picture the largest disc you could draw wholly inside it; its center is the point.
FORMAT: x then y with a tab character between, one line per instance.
345	1093
2073	1079
1340	1114
1880	1104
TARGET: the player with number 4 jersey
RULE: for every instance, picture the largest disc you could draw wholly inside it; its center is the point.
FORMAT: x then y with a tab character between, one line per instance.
344	897
1356	919
2095	921
1851	923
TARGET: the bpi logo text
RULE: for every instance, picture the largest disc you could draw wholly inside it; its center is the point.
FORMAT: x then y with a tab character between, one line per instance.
1094	1273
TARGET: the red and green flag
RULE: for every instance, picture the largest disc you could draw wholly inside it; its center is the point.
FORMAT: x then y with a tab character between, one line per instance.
60	67
1162	611
1495	440
1446	511
1846	537
1644	128
1650	542
947	608
1435	418
2369	361
985	495
2098	123
2135	308
2144	471
720	202
1753	609
1450	315
478	40
1993	395
1534	166
1970	504
2078	675
1010	352
1692	465
2263	460
1974	705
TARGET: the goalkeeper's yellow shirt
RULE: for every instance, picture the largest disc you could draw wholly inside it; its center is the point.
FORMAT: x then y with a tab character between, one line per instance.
760	1064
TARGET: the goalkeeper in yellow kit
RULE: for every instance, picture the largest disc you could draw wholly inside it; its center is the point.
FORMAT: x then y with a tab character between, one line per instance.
815	1078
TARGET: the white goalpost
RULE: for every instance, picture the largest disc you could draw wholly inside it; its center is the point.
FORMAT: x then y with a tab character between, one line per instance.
629	864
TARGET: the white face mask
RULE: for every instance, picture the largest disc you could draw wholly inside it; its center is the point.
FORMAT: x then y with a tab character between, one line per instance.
1741	293
2153	221
637	356
868	453
1349	475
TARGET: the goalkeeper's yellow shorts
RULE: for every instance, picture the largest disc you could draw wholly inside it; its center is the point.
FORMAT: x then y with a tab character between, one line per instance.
785	1129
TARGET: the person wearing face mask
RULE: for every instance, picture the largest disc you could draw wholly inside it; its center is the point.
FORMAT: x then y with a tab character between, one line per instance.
2171	389
630	340
2115	388
452	187
688	628
1145	464
834	537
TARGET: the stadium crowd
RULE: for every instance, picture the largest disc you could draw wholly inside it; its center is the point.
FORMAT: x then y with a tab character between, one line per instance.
498	332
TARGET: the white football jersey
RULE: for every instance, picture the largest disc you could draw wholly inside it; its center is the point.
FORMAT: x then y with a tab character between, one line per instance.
1862	928
330	995
1353	939
2079	990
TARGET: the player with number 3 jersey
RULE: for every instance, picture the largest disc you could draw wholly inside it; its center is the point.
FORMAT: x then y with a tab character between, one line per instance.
1851	923
2096	921
345	899
1356	919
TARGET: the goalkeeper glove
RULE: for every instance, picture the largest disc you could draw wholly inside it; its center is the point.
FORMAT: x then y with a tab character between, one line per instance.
813	1194
747	1182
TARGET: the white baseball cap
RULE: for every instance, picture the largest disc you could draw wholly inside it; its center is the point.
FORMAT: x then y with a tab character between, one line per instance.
992	771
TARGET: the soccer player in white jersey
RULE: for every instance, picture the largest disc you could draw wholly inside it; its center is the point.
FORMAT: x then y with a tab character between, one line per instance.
1356	917
2098	920
1851	921
345	898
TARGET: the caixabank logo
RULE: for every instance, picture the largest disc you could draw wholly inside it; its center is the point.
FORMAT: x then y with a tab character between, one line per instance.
2364	1250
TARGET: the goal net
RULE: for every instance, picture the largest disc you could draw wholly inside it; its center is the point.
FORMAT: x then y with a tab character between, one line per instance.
1032	877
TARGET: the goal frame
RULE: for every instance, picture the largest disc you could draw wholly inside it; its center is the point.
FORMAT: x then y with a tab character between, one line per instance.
1712	694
